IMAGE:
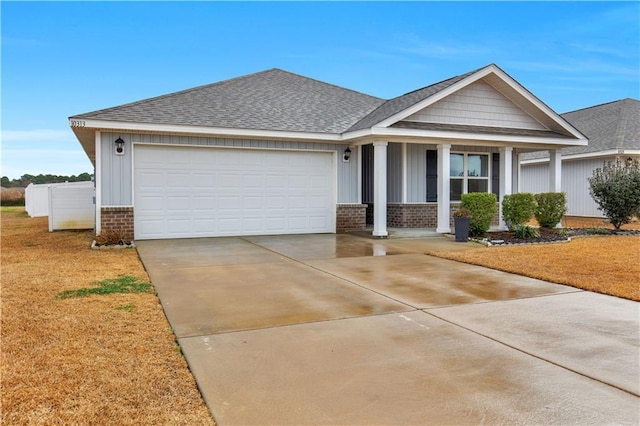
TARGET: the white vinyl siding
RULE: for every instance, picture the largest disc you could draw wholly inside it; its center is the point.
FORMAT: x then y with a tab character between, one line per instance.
183	192
575	175
478	104
116	175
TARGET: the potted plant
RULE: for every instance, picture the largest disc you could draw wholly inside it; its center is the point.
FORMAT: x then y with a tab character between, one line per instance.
462	223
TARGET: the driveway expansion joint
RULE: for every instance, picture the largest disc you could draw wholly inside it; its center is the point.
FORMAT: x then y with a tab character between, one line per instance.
328	320
533	355
335	275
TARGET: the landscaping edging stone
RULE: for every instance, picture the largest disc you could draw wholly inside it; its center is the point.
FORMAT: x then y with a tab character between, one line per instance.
95	246
503	239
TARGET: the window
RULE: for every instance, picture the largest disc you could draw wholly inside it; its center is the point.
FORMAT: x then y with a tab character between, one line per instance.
469	173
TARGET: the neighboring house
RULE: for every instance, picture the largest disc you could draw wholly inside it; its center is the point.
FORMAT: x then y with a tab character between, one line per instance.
613	130
279	153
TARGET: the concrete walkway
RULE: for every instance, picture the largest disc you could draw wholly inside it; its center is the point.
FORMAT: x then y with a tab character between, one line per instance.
339	329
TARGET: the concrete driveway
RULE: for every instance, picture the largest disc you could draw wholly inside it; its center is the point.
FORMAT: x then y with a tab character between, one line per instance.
340	329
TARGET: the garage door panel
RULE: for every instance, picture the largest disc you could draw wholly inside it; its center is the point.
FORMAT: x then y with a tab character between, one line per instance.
194	192
203	204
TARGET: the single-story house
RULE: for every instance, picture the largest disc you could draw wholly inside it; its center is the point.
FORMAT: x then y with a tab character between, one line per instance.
279	153
613	130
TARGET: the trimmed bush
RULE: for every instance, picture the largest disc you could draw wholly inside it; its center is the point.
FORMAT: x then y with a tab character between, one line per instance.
518	209
484	208
616	190
551	207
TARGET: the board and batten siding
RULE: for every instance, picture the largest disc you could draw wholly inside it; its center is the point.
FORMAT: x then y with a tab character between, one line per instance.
575	175
394	173
478	104
116	177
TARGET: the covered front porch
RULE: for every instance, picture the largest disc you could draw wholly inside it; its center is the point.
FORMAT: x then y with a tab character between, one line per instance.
419	185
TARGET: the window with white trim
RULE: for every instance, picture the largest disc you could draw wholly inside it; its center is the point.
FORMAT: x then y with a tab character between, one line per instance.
469	173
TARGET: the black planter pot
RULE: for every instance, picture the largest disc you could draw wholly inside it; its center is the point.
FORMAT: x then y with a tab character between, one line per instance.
462	225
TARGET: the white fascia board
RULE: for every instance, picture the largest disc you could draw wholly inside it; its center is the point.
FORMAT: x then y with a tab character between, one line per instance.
435	97
204	131
597	154
482	137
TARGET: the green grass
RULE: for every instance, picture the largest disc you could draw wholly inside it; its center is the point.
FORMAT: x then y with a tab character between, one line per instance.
11	209
125	284
129	307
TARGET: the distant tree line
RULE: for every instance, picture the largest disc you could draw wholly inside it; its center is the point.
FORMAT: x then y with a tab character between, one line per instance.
26	179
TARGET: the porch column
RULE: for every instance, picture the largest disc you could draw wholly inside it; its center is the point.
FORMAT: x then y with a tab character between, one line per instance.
444	188
98	182
359	173
506	176
516	173
404	173
555	170
380	189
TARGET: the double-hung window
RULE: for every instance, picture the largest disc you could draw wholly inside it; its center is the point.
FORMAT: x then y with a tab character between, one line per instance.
469	173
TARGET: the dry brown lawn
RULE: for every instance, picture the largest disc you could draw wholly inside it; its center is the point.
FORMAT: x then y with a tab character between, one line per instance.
103	359
593	222
604	264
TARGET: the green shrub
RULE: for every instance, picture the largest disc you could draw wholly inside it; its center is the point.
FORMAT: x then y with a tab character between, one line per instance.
551	207
483	206
525	231
616	190
518	209
597	231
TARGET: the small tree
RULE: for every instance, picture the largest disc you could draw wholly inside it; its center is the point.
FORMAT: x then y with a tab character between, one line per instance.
616	189
518	209
483	207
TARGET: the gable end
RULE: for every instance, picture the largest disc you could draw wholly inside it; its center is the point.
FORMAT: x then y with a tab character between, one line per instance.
477	104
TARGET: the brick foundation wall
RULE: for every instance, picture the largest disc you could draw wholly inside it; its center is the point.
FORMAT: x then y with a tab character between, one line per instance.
350	217
118	219
424	215
420	215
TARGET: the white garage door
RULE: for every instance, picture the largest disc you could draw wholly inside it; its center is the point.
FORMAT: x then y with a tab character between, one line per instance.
183	192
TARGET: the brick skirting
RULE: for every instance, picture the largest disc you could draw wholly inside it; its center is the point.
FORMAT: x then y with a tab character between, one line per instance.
350	217
421	215
118	219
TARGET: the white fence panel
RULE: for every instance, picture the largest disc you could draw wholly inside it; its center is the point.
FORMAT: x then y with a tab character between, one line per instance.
71	206
36	200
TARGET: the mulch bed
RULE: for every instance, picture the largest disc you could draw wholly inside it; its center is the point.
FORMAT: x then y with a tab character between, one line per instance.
550	235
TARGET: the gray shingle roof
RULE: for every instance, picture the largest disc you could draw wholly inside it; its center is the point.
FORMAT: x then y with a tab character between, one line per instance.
267	100
614	125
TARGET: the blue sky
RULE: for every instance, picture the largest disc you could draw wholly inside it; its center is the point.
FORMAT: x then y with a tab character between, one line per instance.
61	59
